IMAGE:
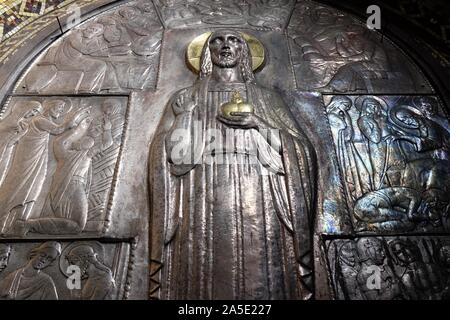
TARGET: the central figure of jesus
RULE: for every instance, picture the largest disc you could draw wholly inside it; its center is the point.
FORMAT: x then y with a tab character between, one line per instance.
232	212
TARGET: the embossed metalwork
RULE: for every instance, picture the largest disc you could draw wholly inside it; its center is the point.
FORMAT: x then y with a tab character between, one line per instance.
393	153
229	207
115	156
332	52
58	161
194	51
94	58
39	271
266	14
409	268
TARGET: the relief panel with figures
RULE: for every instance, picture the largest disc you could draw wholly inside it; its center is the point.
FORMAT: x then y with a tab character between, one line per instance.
390	268
333	52
45	271
113	53
58	161
394	160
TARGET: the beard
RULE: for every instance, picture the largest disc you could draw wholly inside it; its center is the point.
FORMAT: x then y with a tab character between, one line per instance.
225	62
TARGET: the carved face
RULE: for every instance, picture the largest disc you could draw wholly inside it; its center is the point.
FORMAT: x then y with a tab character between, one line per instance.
342	104
371	107
405	253
57	110
42	259
33	112
82	257
371	249
226	49
4	258
407	119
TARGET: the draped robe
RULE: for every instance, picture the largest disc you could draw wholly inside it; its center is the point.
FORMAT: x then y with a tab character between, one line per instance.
23	183
16	286
221	230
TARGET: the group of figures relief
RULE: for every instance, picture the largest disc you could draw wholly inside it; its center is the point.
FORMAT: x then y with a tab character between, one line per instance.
57	161
264	14
116	52
42	271
391	268
394	157
332	52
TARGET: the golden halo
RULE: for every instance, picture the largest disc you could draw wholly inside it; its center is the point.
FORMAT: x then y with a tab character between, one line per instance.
195	48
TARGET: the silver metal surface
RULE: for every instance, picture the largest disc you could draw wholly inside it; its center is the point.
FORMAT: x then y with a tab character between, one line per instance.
117	157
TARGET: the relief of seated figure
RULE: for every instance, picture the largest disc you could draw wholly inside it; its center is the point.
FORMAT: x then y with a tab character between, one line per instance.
81	55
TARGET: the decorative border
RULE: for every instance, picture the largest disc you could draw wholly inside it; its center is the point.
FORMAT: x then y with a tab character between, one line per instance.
11	45
23	12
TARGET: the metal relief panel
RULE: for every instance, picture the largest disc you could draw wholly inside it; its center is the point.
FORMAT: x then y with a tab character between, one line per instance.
390	268
62	270
333	52
59	160
261	14
175	73
394	160
332	215
336	163
117	51
225	202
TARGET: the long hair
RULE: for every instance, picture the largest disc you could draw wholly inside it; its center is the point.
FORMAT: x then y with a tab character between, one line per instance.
206	65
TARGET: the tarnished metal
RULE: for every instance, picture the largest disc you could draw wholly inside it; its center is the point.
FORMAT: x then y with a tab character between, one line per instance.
258	149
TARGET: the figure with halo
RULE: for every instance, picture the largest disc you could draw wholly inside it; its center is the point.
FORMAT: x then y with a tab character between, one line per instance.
232	185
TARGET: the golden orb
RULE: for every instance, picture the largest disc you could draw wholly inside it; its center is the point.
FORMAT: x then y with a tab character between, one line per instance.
236	105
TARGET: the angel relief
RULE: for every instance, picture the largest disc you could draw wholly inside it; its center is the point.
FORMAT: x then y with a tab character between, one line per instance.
51	179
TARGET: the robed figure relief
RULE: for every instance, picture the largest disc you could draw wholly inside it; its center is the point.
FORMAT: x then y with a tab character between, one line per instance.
232	184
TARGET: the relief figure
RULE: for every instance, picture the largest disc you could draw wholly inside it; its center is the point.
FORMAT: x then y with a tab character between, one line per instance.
5	253
357	177
80	54
25	178
372	123
416	280
13	129
30	282
96	277
231	221
66	208
372	256
335	54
